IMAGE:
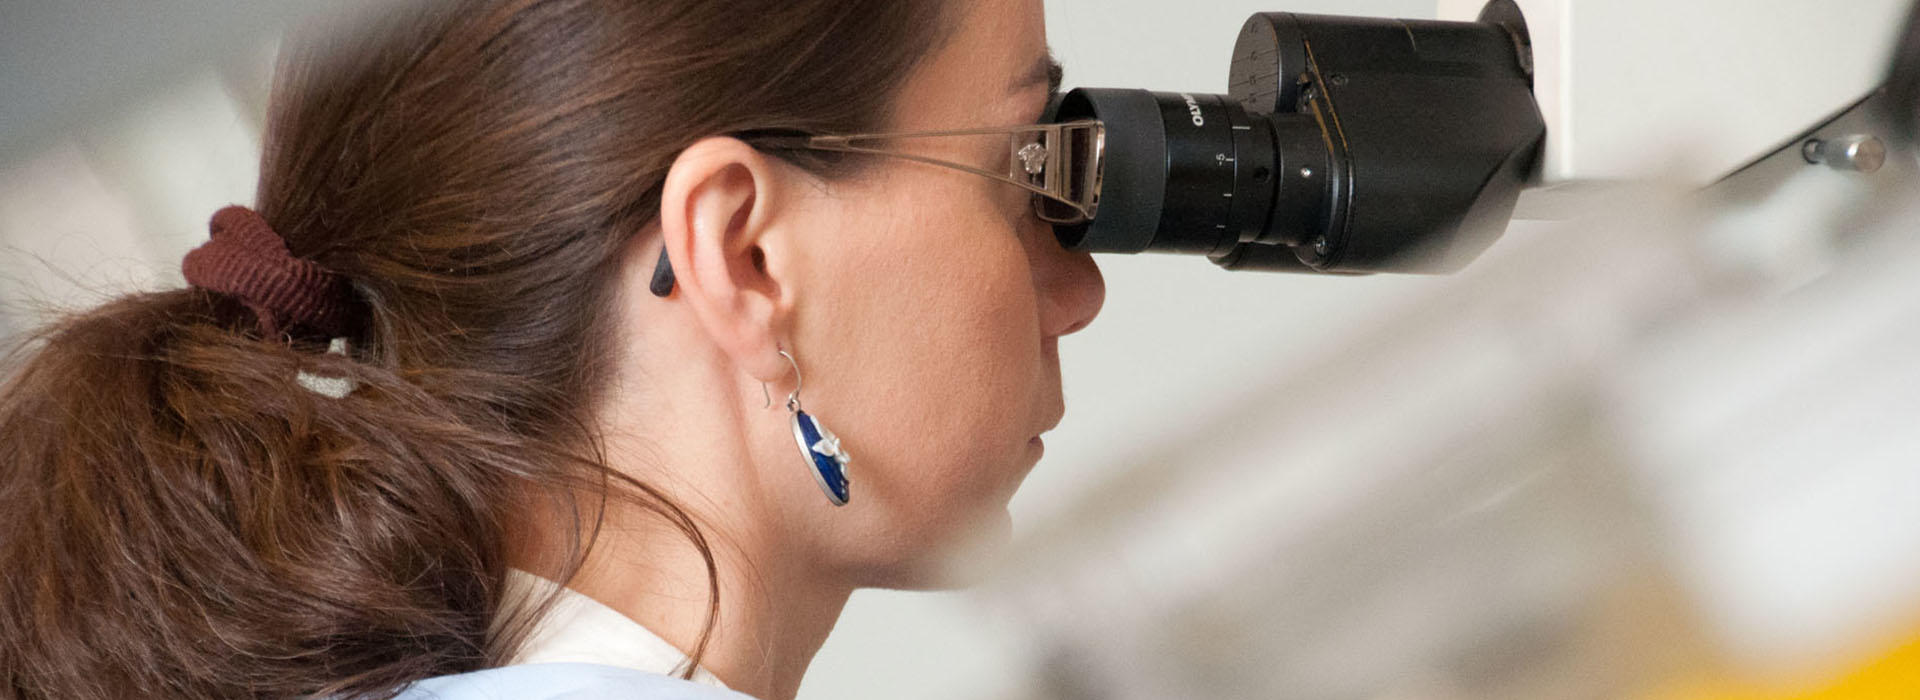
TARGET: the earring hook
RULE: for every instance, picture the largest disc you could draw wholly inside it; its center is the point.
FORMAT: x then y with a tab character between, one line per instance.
793	399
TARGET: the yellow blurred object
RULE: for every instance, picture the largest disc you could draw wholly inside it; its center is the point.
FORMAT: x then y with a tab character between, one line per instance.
1895	676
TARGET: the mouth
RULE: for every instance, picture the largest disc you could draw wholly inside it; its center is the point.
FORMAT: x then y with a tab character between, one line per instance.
1055	411
1036	440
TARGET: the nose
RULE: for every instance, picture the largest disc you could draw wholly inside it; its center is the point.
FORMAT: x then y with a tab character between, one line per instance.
1069	283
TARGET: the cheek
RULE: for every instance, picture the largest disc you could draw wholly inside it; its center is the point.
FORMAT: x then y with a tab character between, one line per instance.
940	368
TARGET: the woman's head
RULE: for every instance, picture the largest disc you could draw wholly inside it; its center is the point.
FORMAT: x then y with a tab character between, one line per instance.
923	305
183	519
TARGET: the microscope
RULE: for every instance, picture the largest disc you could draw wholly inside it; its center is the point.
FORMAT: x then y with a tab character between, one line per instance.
1345	145
1351	145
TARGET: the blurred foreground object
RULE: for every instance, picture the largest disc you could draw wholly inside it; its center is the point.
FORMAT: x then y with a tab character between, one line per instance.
1895	676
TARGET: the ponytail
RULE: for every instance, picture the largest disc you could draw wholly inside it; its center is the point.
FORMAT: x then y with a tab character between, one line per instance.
179	517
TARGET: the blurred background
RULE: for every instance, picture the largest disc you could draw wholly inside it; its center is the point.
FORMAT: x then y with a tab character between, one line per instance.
1663	443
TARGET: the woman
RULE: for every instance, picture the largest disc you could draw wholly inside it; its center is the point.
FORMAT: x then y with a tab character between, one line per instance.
519	275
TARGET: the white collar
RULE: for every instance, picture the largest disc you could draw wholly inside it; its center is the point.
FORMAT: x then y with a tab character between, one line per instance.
579	629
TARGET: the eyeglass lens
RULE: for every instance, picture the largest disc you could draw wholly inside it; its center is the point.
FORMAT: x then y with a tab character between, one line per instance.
1070	167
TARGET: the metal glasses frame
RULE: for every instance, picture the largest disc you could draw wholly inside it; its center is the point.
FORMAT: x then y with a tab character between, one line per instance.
1059	163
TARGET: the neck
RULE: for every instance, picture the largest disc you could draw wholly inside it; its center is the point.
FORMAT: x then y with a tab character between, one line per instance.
771	621
775	611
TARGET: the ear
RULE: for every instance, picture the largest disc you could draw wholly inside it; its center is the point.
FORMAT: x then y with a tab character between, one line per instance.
719	210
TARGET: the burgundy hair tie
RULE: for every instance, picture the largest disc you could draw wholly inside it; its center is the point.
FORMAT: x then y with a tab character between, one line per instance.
248	261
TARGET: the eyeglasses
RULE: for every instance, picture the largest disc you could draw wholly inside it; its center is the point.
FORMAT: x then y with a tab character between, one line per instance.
1060	164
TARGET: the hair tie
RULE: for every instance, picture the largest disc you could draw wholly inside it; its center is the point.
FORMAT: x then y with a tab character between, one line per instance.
248	261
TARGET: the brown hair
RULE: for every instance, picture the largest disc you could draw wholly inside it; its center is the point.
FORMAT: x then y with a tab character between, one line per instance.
179	518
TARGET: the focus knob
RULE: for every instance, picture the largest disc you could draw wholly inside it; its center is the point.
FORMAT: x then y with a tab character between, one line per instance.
1857	153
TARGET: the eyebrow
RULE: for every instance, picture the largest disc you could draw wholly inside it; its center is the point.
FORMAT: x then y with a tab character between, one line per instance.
1046	70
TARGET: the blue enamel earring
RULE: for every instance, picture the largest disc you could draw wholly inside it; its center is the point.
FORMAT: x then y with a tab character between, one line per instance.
825	458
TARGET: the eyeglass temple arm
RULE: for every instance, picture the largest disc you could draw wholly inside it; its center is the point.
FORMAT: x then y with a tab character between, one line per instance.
1016	182
846	144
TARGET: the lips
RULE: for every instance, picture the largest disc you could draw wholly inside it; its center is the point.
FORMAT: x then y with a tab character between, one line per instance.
1053	421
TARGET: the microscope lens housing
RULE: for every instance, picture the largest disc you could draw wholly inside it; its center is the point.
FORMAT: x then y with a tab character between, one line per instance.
1345	145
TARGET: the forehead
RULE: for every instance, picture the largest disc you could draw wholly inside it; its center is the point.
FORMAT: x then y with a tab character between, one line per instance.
973	79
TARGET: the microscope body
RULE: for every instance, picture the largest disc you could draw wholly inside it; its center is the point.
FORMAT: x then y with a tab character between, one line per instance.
1345	145
1431	130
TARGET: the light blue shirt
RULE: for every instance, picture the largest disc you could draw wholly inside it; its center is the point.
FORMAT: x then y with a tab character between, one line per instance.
564	681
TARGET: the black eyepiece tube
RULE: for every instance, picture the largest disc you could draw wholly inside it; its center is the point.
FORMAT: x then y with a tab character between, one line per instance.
1345	145
1133	187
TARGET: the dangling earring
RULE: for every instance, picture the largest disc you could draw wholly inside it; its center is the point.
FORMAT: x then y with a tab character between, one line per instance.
819	446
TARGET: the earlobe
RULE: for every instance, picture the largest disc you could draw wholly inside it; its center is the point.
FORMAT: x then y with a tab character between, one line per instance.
718	215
